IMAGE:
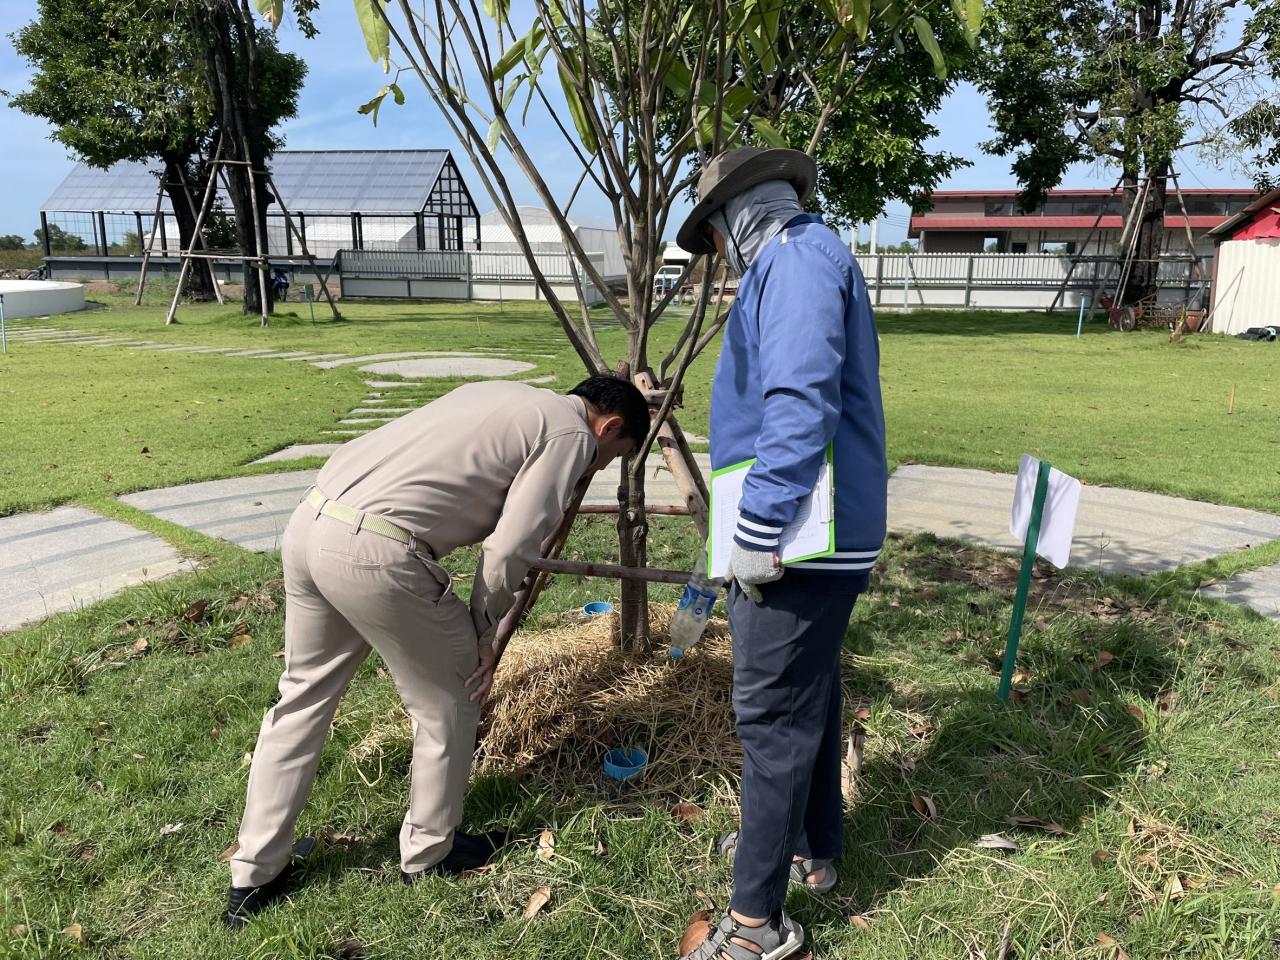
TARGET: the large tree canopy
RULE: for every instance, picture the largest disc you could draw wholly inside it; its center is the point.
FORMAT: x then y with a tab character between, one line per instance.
1130	83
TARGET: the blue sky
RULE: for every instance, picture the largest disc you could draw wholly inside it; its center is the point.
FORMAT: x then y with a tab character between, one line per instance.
342	77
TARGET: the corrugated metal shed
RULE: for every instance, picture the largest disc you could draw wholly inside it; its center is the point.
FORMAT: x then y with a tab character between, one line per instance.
1246	281
315	182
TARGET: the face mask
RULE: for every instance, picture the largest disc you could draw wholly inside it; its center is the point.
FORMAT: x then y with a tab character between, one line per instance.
754	217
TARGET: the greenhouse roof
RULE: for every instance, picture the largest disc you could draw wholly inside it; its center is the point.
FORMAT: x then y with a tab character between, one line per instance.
320	182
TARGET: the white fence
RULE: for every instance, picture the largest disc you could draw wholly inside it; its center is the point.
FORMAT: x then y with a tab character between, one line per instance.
457	275
1012	281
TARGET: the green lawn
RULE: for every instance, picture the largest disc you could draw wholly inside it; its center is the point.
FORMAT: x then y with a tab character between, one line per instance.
1145	727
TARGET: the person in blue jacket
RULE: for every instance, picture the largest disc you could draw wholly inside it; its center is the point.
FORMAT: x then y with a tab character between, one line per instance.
798	376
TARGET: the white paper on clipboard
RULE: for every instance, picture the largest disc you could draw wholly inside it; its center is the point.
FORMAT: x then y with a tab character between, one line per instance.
811	534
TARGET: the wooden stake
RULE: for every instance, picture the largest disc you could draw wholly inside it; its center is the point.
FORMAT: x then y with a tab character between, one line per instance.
1231	404
612	571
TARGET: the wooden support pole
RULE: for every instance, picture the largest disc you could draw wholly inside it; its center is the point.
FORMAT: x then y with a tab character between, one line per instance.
661	509
151	242
612	571
205	206
527	593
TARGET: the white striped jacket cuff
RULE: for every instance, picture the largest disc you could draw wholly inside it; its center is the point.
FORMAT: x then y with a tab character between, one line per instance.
754	535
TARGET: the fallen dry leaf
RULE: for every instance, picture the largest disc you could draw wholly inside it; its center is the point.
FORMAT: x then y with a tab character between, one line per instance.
925	807
695	932
1117	952
19	930
546	845
996	841
687	812
1174	887
1031	823
1136	710
239	603
139	756
537	900
599	848
919	730
215	734
230	852
862	923
1104	657
170	828
339	839
141	645
74	932
863	715
240	640
1081	696
195	612
60	828
1166	701
279	654
1101	856
350	949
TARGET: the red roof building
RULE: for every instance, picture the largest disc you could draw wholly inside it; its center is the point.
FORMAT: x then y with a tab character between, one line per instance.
978	221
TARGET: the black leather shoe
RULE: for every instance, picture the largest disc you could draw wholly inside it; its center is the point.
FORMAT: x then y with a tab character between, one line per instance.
244	902
470	852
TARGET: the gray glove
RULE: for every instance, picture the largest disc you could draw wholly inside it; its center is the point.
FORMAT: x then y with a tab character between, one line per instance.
752	568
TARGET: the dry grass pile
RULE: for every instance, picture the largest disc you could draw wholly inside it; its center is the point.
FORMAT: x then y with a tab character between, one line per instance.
565	696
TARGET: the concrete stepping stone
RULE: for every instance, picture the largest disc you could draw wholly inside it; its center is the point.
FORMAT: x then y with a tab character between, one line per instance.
450	367
379	420
382	410
248	511
291	355
248	353
549	378
299	451
659	486
314	356
1118	531
343	433
1258	590
70	557
389	384
168	347
347	361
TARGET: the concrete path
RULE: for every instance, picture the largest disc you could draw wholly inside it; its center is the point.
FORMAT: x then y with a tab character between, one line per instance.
70	557
1120	531
248	511
1259	590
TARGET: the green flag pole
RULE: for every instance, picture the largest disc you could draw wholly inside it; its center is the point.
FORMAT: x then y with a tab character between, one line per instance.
1024	583
311	302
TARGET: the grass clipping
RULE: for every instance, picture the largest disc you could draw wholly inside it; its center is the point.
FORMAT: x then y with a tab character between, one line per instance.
565	696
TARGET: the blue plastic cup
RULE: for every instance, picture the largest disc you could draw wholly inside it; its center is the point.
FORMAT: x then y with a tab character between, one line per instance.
623	763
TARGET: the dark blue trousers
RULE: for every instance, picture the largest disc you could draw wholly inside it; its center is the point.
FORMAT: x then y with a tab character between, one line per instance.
786	697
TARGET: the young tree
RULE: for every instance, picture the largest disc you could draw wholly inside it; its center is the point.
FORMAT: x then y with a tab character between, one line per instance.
60	240
640	93
11	241
1129	83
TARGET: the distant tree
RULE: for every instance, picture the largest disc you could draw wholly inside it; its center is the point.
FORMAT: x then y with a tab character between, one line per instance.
60	241
1130	83
11	241
132	80
252	87
904	246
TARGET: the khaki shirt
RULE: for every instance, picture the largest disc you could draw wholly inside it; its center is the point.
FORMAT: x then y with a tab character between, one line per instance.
494	461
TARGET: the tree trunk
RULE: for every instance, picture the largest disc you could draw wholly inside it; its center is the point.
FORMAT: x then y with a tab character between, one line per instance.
199	280
633	551
230	61
1143	276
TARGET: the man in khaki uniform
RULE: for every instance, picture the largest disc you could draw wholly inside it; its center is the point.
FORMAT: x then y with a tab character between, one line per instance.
495	462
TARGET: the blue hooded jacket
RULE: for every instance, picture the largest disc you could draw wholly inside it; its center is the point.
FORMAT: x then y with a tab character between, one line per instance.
800	369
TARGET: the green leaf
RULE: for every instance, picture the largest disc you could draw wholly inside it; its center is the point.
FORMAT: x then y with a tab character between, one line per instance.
499	10
513	55
678	79
861	13
578	112
976	10
930	43
273	10
765	130
397	93
376	35
374	105
495	132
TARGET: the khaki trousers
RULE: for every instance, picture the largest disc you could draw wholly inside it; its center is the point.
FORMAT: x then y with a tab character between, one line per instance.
348	591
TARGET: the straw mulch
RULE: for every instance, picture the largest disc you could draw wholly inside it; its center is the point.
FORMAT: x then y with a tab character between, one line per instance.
563	697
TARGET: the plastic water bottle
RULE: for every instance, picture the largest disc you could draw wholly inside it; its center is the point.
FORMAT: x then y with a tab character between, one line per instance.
691	618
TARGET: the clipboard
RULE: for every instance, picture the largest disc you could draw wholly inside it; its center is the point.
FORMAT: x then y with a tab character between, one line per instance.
810	535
